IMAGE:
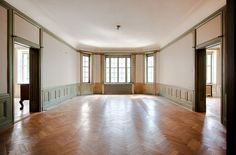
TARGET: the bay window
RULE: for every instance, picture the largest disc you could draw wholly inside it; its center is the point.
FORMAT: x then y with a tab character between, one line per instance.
117	69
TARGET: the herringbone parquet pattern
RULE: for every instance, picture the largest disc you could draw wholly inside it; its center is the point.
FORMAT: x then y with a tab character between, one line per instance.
115	125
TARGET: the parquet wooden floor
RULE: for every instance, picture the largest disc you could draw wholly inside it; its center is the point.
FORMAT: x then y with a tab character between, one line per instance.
20	114
213	106
115	125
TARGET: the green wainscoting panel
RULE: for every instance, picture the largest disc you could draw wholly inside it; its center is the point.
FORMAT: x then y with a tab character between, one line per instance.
181	96
6	96
5	111
56	95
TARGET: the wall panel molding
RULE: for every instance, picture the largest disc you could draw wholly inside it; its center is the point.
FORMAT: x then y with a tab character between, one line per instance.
5	111
181	96
55	95
6	67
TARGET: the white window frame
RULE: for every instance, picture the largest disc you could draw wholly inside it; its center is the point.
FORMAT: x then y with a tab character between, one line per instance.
127	70
147	68
85	66
22	67
212	67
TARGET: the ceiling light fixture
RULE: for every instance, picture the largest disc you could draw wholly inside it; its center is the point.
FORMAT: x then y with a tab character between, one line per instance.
118	27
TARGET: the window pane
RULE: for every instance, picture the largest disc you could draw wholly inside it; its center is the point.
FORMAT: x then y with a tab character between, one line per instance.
208	74
150	69
128	74
107	62
208	59
209	68
128	62
107	78
85	79
113	70
23	66
113	62
214	66
150	74
113	74
150	61
121	62
116	69
114	79
107	69
85	69
85	58
85	61
122	74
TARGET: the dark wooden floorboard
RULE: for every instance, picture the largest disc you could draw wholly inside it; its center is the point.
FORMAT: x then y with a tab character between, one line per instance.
117	125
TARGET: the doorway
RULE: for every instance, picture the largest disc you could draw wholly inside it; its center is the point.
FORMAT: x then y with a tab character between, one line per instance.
209	81
21	81
26	81
213	81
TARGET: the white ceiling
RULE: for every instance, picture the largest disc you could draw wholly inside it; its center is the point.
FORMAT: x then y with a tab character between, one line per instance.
91	24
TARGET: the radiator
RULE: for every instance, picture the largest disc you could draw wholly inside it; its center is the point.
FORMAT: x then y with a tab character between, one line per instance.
117	88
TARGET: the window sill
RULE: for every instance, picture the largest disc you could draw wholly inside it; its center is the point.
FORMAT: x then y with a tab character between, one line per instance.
22	83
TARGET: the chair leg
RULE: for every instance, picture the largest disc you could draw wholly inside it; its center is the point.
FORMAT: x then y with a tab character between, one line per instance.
22	105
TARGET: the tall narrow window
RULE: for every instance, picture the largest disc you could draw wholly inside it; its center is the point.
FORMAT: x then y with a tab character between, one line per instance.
117	69
211	67
108	69
149	68
23	66
128	68
86	68
114	70
122	73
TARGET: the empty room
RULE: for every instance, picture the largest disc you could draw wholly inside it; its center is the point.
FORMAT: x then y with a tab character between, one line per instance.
126	77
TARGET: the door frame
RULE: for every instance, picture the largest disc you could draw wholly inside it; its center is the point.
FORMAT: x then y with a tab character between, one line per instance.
30	45
206	45
34	96
200	80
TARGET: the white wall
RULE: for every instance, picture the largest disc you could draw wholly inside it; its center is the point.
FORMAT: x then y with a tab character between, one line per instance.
219	72
59	63
177	63
26	30
158	67
16	85
3	50
209	30
139	68
97	68
219	66
78	67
